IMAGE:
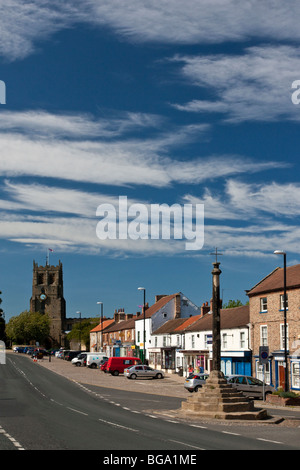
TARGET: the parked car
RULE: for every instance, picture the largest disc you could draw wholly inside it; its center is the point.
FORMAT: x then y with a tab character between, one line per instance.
80	359
18	349
116	365
103	365
93	359
250	386
30	350
71	354
143	371
195	381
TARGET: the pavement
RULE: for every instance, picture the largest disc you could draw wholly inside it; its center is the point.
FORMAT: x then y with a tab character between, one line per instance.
171	385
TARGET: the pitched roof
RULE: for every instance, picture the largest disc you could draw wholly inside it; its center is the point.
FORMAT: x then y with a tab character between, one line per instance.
176	325
122	325
102	326
230	318
274	281
157	306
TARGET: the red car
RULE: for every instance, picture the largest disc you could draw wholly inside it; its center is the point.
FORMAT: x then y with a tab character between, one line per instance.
104	365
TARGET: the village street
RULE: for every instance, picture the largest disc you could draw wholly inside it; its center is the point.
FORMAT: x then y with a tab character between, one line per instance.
78	408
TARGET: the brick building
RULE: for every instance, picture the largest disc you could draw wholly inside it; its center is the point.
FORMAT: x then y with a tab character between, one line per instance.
267	325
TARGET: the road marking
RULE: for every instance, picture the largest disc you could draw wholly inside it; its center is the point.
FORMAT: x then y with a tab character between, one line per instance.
268	440
198	426
117	425
77	411
12	439
188	445
231	433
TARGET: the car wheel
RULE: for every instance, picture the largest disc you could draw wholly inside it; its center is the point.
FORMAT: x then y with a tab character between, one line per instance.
158	376
93	366
197	388
115	373
78	364
133	376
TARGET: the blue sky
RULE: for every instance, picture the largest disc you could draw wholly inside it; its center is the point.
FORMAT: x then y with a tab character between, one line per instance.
160	101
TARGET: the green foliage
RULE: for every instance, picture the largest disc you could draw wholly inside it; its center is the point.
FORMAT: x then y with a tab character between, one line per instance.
282	394
233	304
82	330
27	327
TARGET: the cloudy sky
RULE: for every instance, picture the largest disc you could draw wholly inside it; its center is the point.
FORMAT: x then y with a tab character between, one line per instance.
161	101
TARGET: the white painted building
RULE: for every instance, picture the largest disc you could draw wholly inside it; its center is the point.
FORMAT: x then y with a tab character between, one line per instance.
165	308
190	344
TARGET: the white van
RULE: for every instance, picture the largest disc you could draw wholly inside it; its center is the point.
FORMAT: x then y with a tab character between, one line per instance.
80	359
93	360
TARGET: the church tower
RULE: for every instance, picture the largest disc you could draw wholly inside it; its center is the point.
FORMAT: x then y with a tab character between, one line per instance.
47	298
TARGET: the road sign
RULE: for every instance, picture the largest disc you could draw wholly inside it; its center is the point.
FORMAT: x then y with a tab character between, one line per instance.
263	354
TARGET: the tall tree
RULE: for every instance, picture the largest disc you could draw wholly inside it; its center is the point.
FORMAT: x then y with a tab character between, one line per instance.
28	327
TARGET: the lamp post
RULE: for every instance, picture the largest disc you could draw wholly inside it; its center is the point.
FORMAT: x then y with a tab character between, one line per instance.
101	321
144	334
286	373
79	313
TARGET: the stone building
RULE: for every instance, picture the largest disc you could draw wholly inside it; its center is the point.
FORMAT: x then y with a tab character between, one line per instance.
267	322
48	298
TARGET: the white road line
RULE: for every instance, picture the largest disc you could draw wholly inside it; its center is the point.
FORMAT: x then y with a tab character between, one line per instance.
268	440
11	439
117	425
231	433
185	444
77	411
198	426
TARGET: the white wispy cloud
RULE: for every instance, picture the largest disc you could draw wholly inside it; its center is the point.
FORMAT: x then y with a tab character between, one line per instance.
24	25
75	125
245	219
250	201
255	85
65	147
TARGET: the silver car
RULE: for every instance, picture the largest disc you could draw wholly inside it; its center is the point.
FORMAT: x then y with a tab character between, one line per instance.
250	386
143	371
195	381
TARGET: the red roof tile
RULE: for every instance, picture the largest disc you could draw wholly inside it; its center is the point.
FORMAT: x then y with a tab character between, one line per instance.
102	326
274	281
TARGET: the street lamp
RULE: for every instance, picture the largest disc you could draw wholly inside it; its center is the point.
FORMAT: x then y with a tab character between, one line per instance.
144	337
79	313
101	321
286	374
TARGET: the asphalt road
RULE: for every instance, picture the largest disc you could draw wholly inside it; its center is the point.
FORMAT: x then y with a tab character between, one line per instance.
41	410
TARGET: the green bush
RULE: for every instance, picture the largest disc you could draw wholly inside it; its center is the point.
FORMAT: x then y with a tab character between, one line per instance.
282	394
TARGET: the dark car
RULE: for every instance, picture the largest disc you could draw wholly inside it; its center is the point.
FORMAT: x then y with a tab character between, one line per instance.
250	386
71	354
